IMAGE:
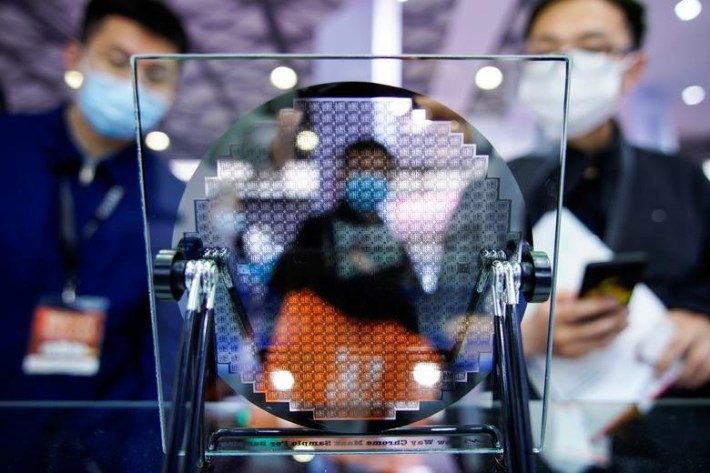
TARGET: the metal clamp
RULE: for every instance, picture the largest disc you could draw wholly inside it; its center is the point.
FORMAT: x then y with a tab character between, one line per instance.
507	276
506	285
201	279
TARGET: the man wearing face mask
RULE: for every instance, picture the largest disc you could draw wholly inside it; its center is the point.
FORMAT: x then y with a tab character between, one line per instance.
634	200
347	269
73	233
348	256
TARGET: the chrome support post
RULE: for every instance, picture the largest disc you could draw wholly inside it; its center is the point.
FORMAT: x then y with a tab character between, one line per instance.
200	279
506	283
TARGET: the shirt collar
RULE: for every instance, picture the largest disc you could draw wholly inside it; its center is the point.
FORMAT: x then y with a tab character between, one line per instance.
606	161
120	168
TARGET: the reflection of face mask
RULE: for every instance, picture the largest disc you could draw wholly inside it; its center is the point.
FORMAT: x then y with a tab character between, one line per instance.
259	245
107	104
595	92
230	225
365	190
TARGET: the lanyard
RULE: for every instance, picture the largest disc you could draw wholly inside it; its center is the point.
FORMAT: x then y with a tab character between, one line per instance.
71	239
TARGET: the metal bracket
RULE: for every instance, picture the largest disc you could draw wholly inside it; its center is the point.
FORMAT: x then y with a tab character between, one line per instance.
506	285
501	273
506	279
201	277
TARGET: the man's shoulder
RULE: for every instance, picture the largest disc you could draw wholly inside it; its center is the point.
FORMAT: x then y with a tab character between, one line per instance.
675	162
532	171
530	160
162	189
532	165
10	125
29	134
314	225
674	169
157	168
26	139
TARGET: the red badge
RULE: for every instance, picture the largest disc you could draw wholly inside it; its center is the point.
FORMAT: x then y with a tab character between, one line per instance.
66	339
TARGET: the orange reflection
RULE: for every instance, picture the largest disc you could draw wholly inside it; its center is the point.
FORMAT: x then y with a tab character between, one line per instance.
345	367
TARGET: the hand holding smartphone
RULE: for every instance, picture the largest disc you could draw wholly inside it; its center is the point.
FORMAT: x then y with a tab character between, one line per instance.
595	316
614	279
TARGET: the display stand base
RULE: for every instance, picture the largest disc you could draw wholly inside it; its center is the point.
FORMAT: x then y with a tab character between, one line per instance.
186	449
429	439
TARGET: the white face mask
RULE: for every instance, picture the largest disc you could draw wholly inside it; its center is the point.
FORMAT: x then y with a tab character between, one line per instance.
595	91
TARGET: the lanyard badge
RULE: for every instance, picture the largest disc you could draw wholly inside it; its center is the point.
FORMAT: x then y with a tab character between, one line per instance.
67	332
66	338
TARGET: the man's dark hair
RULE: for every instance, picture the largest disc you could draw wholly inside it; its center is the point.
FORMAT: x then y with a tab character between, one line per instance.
153	15
367	145
634	12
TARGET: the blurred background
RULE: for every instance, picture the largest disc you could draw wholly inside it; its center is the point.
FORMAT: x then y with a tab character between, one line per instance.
667	112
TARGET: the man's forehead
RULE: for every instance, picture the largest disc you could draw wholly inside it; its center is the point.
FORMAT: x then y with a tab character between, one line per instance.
577	20
367	152
370	159
366	155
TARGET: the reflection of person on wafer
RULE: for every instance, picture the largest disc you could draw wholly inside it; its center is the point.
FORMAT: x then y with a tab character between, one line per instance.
347	342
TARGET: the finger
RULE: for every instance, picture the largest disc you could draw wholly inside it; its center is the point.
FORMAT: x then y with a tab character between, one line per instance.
703	376
676	349
563	296
577	339
610	324
693	373
583	347
289	117
581	310
611	337
534	333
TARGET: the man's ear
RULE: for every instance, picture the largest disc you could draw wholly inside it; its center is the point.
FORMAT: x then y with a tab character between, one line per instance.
72	54
633	74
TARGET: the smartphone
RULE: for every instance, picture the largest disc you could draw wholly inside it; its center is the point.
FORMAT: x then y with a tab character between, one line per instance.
615	278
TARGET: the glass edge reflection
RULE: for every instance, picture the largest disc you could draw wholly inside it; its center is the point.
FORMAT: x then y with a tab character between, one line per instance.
473	57
149	258
555	257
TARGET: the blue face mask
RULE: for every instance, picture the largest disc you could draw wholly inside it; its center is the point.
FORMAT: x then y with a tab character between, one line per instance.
107	104
231	226
365	190
241	223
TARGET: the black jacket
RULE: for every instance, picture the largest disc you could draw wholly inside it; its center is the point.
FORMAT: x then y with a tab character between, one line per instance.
636	200
318	260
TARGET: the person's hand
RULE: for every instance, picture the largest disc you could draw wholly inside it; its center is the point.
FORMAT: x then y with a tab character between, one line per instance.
282	147
580	325
691	342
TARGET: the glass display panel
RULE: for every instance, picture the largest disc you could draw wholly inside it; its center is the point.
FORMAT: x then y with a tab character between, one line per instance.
351	220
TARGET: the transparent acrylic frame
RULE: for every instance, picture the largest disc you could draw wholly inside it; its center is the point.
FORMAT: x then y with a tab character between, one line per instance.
183	58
